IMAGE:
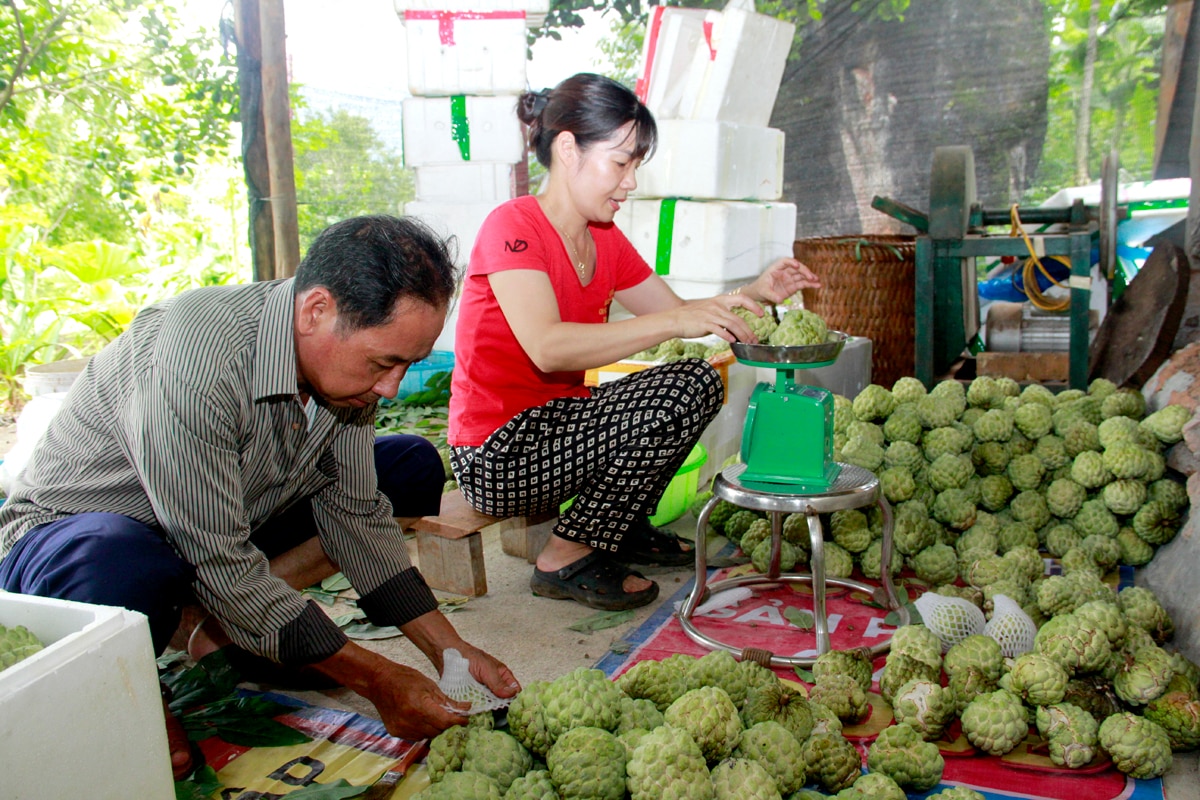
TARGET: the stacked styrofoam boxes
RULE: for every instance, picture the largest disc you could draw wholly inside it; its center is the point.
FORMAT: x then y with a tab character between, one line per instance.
706	214
466	67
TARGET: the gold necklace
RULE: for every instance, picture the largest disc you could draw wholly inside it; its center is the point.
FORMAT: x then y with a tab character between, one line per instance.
580	264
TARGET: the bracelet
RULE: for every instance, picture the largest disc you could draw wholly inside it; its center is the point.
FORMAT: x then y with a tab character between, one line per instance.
736	291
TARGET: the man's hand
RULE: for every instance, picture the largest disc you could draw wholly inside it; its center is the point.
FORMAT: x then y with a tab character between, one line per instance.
411	705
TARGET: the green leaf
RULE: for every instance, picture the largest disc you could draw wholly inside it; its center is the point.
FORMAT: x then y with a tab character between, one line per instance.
620	647
212	678
337	582
342	620
598	622
893	617
366	630
321	596
800	618
327	791
259	732
805	675
200	785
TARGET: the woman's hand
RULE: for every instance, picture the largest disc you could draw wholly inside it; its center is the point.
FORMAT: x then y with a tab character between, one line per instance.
780	281
715	315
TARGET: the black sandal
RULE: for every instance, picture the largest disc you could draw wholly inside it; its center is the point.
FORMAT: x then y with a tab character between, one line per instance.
595	581
648	544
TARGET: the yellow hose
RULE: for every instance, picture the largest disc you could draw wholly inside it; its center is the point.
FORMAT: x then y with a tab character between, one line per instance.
1032	266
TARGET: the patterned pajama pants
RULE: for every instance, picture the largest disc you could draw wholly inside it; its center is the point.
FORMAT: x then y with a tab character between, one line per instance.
615	452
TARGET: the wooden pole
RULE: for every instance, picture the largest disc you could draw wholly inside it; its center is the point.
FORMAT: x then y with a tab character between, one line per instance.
254	143
277	113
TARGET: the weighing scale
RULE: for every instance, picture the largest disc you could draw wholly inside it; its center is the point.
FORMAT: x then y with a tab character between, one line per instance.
788	468
787	438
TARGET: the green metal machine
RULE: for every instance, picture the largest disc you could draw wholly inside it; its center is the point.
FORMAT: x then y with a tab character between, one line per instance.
787	438
954	233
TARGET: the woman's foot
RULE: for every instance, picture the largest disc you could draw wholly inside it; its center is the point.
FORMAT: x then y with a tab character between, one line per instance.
559	553
567	570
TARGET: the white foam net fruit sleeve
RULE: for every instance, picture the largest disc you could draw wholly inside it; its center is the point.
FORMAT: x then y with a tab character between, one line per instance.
459	685
952	619
1011	627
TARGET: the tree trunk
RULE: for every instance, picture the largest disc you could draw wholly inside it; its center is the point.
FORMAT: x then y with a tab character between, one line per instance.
1083	116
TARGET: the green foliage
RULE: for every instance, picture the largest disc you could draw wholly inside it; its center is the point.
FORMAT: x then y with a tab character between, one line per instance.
343	169
99	97
115	175
1124	99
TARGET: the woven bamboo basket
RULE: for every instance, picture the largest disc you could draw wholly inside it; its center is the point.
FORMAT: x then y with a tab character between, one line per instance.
867	289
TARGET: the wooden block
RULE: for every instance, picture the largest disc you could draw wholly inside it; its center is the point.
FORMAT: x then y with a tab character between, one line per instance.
1025	367
453	564
456	520
526	538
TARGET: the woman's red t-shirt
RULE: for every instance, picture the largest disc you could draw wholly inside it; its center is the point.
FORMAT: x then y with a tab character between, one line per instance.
493	378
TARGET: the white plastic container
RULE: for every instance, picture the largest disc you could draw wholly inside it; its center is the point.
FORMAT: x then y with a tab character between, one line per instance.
736	71
535	10
57	376
847	376
460	220
82	717
713	161
723	436
457	130
672	37
473	182
716	240
699	290
465	52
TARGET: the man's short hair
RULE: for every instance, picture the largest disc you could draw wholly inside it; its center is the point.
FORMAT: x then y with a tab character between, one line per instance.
370	263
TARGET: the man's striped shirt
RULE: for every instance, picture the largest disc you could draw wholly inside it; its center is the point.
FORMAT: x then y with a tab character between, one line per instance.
190	422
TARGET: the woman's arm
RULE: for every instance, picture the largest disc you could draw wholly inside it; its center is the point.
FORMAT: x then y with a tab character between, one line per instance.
527	299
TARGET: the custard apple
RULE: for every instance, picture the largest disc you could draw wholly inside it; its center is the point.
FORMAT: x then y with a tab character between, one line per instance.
736	778
710	718
833	763
925	705
667	765
1071	733
995	722
777	750
1138	747
900	753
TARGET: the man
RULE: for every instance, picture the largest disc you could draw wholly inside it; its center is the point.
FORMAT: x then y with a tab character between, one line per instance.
222	452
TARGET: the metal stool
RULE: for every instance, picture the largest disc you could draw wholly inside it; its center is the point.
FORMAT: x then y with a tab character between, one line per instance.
855	487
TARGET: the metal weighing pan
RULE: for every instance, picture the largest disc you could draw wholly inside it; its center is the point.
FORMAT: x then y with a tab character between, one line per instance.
796	356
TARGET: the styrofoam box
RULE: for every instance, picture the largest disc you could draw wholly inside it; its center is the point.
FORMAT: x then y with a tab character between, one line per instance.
713	161
535	10
472	182
723	436
460	220
672	37
699	290
465	52
486	129
82	717
714	240
735	76
847	376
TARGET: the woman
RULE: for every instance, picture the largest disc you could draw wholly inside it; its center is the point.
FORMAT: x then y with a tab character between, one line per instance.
526	434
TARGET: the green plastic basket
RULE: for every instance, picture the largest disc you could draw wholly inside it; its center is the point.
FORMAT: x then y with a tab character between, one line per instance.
680	493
